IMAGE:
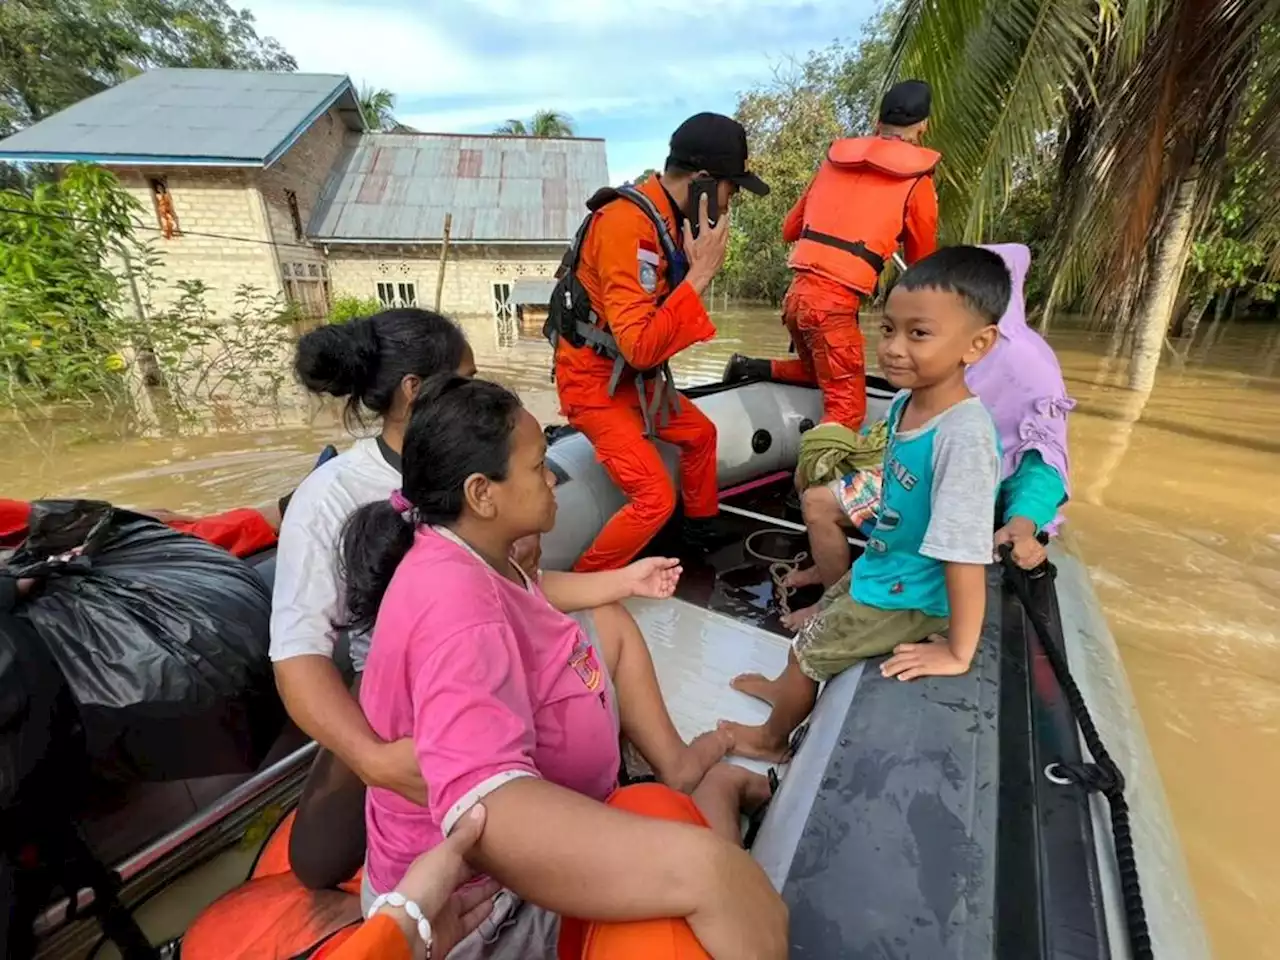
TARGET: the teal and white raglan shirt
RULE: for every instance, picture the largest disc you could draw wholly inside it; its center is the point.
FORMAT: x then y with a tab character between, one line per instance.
937	506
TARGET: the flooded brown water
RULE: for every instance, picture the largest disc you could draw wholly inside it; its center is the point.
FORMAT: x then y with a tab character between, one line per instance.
1177	514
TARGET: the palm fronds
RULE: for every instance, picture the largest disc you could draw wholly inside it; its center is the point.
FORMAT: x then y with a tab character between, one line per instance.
545	123
1142	95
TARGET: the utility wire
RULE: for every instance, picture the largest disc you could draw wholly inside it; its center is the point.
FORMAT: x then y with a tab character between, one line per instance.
40	215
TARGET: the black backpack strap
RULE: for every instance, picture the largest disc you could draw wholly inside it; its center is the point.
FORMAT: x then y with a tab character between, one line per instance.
669	249
603	197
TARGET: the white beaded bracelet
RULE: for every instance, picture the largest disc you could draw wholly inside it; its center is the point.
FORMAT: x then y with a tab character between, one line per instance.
396	899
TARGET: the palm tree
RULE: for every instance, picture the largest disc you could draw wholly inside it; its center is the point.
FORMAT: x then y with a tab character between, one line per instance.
545	123
1142	98
378	107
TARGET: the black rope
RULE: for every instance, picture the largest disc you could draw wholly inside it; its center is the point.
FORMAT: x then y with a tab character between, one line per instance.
1103	775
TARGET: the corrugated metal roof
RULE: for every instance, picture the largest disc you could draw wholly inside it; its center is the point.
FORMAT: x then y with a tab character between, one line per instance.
192	117
535	291
397	188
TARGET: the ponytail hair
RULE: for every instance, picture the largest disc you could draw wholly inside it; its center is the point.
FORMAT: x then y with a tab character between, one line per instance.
458	428
366	359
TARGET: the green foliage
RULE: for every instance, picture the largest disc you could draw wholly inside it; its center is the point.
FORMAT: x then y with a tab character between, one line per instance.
1230	256
790	123
545	123
54	53
348	307
59	300
1138	100
1001	74
378	108
78	324
1030	215
208	362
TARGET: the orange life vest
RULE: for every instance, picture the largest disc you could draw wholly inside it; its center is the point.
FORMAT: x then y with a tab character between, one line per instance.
272	915
856	207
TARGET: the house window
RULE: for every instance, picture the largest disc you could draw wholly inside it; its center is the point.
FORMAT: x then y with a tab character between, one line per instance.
291	199
166	216
503	308
307	286
397	294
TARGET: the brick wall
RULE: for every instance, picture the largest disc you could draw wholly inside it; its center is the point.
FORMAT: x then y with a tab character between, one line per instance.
207	201
303	169
469	276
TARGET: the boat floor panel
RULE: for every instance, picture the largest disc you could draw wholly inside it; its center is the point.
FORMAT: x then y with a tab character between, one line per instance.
696	653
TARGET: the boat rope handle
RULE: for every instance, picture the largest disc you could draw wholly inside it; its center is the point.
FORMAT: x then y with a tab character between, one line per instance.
1103	775
779	567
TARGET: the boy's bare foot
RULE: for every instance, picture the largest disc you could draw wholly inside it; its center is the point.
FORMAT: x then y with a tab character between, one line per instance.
756	743
802	577
798	618
701	755
756	685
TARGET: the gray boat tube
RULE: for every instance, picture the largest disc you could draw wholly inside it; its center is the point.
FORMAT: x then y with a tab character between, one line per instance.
917	820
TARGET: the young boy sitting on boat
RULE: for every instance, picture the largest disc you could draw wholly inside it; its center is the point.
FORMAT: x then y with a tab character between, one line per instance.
924	568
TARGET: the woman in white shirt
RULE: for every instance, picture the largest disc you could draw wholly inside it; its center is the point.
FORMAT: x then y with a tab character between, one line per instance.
377	363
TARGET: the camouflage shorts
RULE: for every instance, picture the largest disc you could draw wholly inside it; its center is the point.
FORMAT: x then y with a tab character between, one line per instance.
846	631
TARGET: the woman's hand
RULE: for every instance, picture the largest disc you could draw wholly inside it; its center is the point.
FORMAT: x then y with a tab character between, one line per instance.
431	882
654	577
1028	552
933	658
394	766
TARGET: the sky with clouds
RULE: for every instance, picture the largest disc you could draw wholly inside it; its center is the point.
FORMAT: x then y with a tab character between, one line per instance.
625	71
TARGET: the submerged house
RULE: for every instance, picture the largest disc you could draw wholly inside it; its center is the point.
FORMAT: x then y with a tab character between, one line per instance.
273	180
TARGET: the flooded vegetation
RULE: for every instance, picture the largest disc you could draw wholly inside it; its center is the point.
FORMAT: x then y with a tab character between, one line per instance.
1174	510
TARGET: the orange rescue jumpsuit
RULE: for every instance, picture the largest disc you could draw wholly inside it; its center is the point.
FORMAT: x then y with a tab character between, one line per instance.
870	194
624	272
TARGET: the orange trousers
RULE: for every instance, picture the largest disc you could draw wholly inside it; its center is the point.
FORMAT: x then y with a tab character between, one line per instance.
639	939
830	351
634	464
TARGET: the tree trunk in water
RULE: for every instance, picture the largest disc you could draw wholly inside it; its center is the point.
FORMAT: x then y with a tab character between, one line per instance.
1106	374
1192	323
1122	419
1273	357
1214	333
1155	309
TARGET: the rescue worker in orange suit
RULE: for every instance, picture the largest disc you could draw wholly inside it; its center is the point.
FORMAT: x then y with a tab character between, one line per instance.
628	299
870	194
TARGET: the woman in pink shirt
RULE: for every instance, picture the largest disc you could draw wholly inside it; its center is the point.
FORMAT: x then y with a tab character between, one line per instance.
511	701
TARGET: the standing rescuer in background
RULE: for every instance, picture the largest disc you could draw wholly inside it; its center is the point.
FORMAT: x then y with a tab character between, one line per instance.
870	195
628	299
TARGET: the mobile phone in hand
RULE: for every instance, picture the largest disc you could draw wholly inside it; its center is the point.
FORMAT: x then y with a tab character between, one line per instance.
700	187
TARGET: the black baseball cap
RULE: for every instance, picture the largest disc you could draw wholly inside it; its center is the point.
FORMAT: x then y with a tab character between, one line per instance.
718	145
906	104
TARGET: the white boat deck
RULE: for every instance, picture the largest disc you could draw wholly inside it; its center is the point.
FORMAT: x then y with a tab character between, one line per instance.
696	653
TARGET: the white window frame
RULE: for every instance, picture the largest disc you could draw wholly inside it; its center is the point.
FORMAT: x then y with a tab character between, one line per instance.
397	293
503	307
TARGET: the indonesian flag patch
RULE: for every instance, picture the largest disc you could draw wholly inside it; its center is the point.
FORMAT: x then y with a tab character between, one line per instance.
647	261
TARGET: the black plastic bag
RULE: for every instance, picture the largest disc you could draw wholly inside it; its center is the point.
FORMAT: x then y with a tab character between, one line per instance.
34	731
161	637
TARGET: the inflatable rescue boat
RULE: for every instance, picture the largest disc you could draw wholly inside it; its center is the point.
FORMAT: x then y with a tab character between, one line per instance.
1013	812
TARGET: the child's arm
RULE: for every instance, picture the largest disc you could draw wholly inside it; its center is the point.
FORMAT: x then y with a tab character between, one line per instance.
654	577
967	597
947	656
